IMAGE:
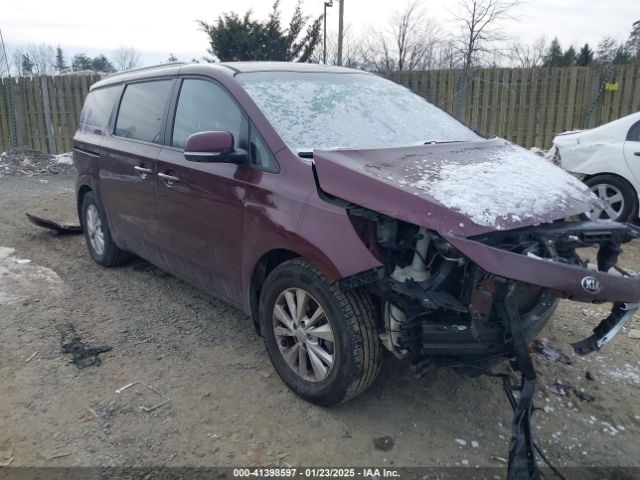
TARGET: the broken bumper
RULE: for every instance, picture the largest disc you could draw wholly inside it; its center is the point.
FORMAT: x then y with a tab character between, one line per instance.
564	280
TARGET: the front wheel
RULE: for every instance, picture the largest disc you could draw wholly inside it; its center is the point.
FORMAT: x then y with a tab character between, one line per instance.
619	199
322	342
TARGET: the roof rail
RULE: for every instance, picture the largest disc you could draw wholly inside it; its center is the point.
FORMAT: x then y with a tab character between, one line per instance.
145	68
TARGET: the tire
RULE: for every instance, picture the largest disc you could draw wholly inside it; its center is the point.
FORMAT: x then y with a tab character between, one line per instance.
97	234
355	351
609	187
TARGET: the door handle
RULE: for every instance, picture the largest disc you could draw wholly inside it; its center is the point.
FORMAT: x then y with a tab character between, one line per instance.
637	154
142	169
168	179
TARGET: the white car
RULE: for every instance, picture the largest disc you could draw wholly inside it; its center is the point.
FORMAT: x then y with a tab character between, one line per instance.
607	159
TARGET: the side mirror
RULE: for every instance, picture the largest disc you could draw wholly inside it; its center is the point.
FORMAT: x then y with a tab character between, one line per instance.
213	147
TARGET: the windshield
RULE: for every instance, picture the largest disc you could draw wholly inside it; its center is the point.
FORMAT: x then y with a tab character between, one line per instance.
331	110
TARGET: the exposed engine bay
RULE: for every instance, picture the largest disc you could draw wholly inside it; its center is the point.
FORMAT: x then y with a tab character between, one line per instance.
440	308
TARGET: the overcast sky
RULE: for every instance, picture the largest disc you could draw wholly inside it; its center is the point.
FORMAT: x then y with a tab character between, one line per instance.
159	28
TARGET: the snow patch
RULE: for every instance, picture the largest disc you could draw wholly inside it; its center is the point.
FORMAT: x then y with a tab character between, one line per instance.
21	280
496	186
64	158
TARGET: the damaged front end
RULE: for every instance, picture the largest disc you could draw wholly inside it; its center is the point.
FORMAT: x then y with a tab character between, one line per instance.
452	301
440	294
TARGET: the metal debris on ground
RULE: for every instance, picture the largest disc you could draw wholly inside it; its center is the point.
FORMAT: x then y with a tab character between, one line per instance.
542	348
145	408
82	355
55	228
563	390
31	357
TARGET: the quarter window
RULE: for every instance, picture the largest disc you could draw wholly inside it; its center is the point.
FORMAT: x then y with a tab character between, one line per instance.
142	110
205	106
98	106
634	133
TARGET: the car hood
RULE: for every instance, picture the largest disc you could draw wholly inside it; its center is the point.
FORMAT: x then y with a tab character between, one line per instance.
462	188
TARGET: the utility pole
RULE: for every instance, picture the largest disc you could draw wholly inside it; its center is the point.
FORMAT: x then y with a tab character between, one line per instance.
340	30
329	3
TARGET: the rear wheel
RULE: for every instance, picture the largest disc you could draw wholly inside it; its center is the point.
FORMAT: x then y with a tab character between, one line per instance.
97	234
322	342
620	202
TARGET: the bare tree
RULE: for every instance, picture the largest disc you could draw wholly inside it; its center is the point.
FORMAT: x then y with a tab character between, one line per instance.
350	50
125	58
480	21
528	55
43	57
408	43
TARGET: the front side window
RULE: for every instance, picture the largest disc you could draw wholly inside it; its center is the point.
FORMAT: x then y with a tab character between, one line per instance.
98	106
205	106
142	110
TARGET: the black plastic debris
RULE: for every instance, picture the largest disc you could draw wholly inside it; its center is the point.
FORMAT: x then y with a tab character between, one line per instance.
82	355
55	227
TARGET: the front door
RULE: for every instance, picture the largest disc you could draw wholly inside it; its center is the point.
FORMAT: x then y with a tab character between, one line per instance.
200	204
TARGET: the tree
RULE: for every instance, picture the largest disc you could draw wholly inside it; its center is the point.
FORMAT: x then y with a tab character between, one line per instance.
43	58
172	58
81	62
569	57
622	56
61	66
607	49
407	44
528	56
126	58
633	43
585	56
480	21
233	38
26	67
102	64
554	56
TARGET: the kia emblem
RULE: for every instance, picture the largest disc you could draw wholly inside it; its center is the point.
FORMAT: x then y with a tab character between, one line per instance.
591	284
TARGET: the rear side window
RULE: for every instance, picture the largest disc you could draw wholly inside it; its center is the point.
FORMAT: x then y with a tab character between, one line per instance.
142	110
634	133
205	106
98	106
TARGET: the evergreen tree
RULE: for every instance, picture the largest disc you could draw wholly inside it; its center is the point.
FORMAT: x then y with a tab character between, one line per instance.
232	37
61	66
585	56
554	56
569	57
81	62
27	65
102	64
622	56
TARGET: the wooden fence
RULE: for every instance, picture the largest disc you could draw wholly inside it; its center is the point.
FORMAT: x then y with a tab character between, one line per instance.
529	106
526	106
41	113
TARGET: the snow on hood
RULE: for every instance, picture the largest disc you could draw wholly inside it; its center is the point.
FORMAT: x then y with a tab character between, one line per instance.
493	184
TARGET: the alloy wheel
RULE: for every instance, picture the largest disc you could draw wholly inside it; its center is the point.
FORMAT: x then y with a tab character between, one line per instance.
304	334
612	200
94	230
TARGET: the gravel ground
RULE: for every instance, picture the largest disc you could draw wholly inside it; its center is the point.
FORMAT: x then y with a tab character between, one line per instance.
227	406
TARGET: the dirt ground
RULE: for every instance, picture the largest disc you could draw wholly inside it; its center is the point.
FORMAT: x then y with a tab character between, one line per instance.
227	406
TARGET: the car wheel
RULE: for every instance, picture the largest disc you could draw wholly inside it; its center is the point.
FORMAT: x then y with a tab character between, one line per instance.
322	342
97	234
618	196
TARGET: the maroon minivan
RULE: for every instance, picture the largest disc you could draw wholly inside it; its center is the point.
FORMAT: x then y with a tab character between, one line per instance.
345	214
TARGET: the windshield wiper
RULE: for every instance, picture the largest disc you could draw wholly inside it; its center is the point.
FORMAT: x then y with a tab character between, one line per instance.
434	142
